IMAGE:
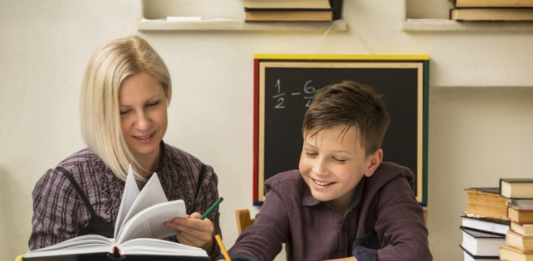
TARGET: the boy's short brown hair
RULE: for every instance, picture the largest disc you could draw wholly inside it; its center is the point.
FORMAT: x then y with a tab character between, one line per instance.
349	103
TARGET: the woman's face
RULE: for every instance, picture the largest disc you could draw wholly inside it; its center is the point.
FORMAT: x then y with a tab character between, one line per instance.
143	115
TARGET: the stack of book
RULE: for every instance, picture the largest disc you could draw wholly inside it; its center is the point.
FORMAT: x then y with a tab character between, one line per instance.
484	224
492	10
292	10
519	193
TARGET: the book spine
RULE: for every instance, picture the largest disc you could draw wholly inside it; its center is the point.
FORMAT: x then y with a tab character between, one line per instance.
501	180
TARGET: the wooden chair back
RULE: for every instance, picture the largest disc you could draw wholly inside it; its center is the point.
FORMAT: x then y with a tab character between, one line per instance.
243	219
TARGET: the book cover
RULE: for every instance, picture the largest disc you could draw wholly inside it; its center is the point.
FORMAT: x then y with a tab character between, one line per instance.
336	6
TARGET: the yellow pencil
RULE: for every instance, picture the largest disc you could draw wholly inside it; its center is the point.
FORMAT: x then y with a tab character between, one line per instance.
222	248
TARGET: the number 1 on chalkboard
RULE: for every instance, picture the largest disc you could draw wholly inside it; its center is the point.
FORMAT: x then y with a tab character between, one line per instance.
279	96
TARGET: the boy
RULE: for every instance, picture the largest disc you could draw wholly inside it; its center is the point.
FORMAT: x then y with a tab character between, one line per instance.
343	202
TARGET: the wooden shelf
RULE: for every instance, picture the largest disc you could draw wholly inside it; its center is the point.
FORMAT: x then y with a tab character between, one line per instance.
237	25
428	25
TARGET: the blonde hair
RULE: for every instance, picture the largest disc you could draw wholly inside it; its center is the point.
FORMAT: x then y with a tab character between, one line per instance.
109	66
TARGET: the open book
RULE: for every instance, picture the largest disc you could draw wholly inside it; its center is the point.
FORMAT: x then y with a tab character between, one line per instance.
138	229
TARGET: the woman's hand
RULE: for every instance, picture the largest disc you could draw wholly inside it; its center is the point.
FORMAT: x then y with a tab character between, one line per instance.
194	232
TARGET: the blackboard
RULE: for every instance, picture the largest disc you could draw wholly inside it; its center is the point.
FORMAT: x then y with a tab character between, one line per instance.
285	88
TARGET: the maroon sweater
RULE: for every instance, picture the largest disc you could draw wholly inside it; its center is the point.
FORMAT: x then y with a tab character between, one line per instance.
384	221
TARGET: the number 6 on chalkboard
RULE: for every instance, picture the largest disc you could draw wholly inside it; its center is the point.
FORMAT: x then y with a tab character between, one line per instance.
278	112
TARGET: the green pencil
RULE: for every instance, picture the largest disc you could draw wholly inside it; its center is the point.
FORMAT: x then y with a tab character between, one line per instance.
211	208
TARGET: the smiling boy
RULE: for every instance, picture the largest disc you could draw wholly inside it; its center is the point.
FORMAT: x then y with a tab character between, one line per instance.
343	201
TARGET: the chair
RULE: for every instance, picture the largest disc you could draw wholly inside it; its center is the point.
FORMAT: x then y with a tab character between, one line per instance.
243	219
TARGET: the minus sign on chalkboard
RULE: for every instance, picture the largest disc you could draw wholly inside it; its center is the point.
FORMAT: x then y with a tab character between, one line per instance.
296	93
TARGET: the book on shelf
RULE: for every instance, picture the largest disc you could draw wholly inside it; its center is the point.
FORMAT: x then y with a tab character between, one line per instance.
522	229
492	15
286	4
518	188
520	203
493	3
495	226
138	230
511	253
518	241
480	243
292	10
520	216
471	257
486	202
289	15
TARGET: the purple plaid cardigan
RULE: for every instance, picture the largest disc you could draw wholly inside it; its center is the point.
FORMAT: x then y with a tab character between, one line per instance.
59	214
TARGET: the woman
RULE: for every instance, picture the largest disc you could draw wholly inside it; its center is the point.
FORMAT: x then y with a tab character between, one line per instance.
125	93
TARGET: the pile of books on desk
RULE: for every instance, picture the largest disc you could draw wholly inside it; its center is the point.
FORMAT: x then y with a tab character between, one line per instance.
292	10
519	194
492	10
484	224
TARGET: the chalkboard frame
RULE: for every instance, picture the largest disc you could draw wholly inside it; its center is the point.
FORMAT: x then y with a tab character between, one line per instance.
263	61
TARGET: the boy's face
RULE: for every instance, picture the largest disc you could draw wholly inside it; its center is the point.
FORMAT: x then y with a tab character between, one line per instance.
333	165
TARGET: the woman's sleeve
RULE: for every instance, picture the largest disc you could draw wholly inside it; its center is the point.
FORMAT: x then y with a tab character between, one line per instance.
55	206
207	196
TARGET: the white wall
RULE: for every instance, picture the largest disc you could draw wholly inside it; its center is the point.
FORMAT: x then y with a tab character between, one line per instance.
476	135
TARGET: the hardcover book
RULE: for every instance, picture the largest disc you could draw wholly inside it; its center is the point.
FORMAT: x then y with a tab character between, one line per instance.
494	226
470	257
520	216
486	202
518	241
138	230
518	188
522	204
481	243
307	15
286	4
492	15
511	253
522	229
493	3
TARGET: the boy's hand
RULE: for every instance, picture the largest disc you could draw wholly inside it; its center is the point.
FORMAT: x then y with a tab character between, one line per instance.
343	259
194	232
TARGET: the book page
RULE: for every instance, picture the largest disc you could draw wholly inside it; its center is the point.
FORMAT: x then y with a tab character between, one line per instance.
131	191
150	195
78	245
149	223
151	246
